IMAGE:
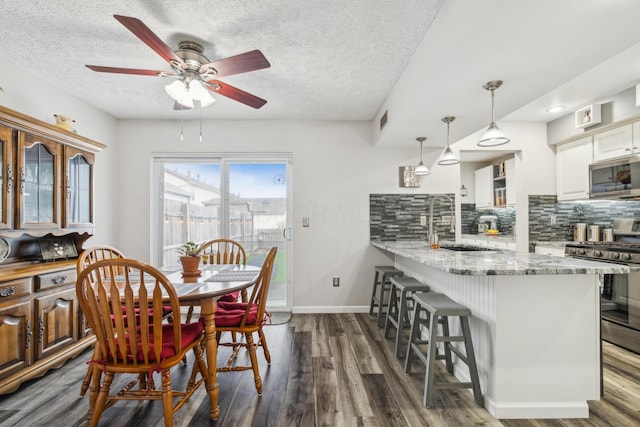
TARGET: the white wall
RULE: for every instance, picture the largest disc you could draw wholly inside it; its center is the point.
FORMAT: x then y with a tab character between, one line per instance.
29	94
335	168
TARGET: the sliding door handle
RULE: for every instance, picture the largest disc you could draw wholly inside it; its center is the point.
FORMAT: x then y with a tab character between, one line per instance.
286	233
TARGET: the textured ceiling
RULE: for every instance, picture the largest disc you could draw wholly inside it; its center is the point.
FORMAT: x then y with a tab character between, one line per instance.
330	59
343	59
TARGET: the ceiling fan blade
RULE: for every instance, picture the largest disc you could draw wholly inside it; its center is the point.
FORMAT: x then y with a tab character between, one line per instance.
102	69
236	94
245	62
143	32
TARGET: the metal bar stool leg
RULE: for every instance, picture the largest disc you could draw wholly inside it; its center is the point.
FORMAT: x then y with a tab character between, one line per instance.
471	361
431	361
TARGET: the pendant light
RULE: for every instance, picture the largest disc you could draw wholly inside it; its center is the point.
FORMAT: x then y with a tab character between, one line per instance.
448	158
421	169
493	136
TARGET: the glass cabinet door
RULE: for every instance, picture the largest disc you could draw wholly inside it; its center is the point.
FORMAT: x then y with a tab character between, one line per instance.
6	178
38	165
78	173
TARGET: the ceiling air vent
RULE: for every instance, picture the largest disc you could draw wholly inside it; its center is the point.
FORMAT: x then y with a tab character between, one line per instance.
383	120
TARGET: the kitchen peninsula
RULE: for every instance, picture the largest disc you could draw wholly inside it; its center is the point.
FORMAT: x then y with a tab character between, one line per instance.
535	324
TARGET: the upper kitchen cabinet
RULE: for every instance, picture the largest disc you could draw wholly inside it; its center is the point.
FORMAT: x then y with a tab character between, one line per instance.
6	178
616	142
484	187
495	186
39	162
572	169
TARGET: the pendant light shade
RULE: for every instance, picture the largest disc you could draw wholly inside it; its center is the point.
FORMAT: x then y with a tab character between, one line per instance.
493	136
421	169
448	157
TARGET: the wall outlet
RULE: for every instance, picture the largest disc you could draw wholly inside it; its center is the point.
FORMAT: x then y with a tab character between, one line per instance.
423	220
305	221
446	220
336	281
552	220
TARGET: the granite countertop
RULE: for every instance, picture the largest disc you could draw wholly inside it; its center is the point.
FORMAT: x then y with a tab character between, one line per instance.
494	262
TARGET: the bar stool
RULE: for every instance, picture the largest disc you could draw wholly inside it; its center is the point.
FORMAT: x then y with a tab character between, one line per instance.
382	280
441	307
400	301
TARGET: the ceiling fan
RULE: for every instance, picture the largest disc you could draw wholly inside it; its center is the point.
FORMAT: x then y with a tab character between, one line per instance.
195	75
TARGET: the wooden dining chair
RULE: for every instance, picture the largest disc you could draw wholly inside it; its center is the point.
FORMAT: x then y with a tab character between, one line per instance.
222	251
245	319
144	346
88	257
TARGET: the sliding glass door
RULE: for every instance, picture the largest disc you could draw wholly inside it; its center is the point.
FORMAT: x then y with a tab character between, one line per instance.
241	198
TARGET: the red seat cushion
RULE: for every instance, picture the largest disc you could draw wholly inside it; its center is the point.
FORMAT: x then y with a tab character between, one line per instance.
189	333
230	297
230	313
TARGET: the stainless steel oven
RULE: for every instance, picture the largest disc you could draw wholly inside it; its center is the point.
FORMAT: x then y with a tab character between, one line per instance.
620	298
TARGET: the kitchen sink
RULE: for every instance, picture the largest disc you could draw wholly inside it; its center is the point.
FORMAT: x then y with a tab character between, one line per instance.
465	248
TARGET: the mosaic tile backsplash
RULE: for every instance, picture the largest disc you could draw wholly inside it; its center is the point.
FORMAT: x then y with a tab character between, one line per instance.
505	219
550	220
397	216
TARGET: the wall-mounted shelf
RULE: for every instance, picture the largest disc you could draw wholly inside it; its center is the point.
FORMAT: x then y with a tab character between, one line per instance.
588	116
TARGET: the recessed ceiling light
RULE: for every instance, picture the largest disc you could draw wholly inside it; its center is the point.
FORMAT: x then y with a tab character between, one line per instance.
555	109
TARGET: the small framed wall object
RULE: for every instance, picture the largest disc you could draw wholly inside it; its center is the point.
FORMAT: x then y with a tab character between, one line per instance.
52	249
407	178
588	116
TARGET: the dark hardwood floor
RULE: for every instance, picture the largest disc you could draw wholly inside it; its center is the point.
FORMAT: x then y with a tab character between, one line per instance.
326	370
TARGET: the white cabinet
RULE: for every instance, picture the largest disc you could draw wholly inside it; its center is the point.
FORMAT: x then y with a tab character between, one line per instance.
552	250
636	137
484	187
572	169
495	186
489	242
614	143
510	172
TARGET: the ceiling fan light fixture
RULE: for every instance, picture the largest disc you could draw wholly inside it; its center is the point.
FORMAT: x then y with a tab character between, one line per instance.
185	93
199	93
448	158
493	136
178	91
421	169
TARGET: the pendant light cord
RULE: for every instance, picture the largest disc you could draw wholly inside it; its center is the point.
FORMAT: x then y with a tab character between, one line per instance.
200	121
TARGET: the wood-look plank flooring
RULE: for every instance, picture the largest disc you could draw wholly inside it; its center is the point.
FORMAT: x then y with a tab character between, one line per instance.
326	370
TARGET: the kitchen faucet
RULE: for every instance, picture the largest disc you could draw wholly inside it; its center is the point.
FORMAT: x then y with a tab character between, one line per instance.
453	223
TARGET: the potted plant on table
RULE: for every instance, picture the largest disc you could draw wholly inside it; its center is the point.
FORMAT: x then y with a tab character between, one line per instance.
190	258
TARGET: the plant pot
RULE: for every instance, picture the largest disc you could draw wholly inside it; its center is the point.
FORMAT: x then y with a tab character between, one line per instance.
190	265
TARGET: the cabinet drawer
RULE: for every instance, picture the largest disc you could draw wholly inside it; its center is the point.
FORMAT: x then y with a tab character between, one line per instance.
52	280
14	289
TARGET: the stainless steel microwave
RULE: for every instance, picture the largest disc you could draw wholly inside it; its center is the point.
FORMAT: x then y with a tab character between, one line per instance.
615	179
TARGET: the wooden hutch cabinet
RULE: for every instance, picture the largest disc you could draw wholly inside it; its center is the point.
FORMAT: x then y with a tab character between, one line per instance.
46	215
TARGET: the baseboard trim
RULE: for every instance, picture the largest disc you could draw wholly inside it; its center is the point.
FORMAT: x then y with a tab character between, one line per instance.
533	410
331	309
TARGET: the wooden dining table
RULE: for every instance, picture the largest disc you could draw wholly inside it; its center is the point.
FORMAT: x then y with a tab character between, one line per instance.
204	290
